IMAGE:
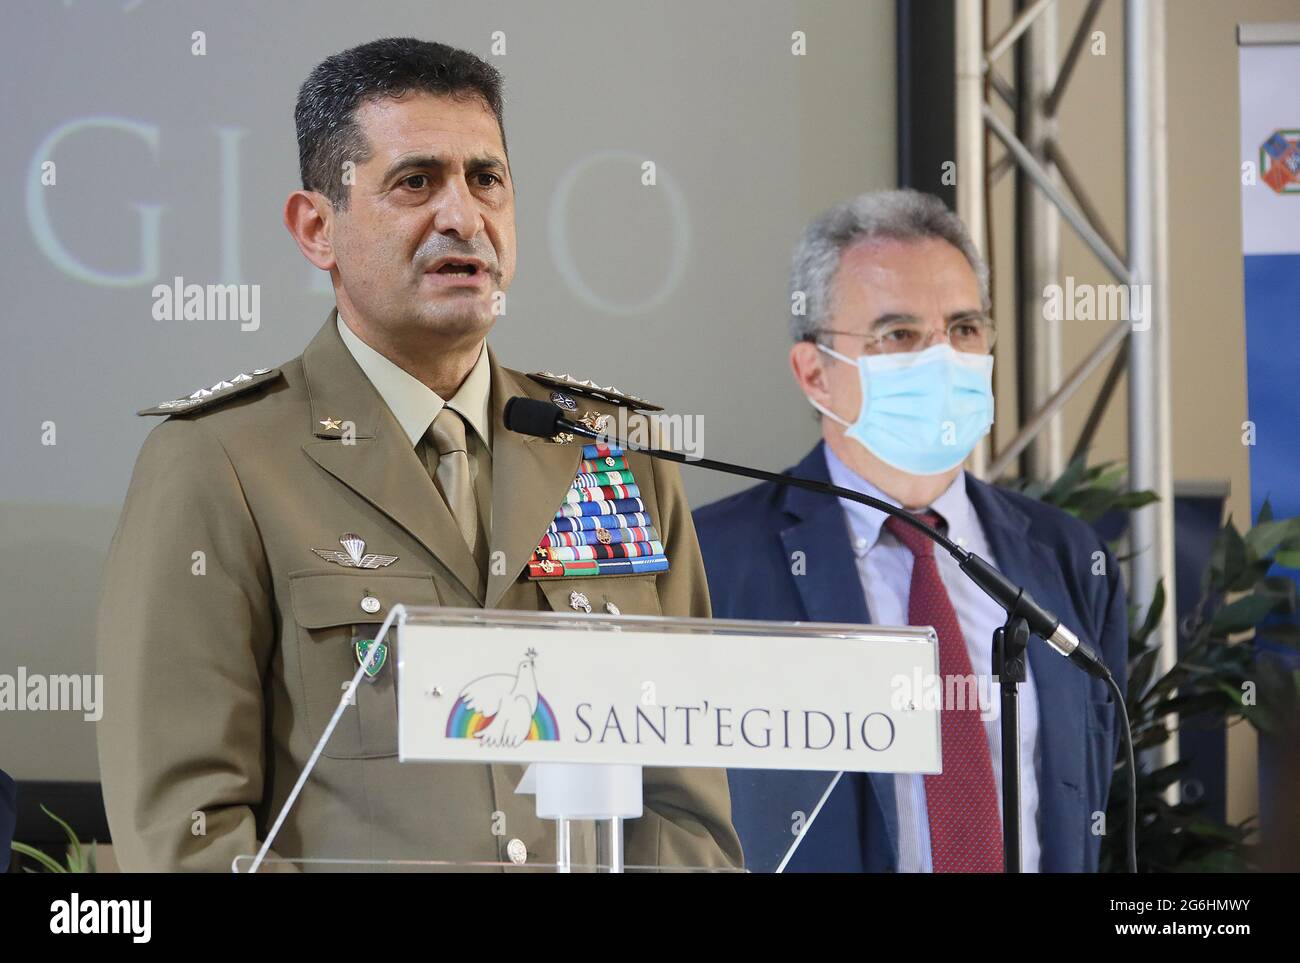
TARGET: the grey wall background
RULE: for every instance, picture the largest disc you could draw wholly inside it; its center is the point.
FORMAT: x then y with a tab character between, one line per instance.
753	140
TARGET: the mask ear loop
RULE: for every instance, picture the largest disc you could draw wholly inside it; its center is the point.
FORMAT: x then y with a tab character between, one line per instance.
826	411
836	355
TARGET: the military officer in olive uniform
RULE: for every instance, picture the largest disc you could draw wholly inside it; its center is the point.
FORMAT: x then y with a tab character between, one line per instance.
274	517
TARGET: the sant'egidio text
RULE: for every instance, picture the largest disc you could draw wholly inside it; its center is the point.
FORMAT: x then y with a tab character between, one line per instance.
720	725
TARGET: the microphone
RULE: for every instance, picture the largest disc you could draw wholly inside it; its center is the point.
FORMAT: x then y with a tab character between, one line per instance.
528	416
542	419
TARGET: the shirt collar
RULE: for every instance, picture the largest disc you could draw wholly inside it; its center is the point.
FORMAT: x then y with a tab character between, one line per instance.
866	523
413	403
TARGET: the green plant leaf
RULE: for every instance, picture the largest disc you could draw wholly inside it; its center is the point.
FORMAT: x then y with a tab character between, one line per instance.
1093	504
1235	693
1067	482
1266	536
1252	572
1108	477
1243	614
1139	671
1155	612
1227	558
1204	686
72	837
1261	718
32	852
1191	705
1166	776
1132	500
1281	588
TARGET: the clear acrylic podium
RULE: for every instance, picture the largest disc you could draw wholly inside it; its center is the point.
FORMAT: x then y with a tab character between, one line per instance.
585	702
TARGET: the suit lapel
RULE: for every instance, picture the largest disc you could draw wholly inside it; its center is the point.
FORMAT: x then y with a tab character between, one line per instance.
830	588
380	465
1061	777
530	477
828	584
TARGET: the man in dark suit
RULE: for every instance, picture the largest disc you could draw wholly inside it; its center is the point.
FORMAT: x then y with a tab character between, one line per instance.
893	346
8	817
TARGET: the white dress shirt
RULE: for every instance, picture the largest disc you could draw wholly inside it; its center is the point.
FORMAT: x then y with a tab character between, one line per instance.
885	570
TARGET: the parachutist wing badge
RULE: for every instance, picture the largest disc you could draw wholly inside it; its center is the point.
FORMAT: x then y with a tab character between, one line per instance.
354	554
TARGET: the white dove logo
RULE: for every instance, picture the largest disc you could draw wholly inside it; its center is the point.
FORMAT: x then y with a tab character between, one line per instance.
507	701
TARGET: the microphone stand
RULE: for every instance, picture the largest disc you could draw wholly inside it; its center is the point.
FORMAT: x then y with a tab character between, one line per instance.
1009	644
1010	640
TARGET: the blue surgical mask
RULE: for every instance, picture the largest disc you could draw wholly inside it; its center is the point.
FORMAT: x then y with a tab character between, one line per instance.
922	411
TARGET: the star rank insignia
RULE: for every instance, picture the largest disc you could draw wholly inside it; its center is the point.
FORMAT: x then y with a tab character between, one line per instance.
589	389
205	397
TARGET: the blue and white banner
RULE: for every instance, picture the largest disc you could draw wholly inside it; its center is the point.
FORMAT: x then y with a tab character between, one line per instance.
1270	208
1270	220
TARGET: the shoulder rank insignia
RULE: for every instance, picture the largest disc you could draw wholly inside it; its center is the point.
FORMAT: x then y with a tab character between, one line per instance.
220	391
590	389
603	527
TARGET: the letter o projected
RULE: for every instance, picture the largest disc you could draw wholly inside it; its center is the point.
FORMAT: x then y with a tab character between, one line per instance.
556	229
878	727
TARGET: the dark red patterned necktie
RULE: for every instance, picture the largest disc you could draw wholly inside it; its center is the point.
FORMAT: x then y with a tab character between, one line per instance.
962	802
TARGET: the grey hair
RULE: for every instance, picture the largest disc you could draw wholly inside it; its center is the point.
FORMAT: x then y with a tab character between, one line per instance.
901	215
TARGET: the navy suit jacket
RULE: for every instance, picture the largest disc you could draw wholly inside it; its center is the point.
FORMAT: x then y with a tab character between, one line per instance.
749	541
8	817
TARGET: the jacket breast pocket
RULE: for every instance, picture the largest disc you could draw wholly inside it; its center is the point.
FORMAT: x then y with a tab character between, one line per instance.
333	612
1099	748
603	595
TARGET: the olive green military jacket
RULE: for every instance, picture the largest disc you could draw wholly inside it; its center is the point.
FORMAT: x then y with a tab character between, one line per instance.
225	642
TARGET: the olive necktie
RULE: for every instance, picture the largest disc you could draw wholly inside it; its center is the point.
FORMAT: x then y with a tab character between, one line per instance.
451	473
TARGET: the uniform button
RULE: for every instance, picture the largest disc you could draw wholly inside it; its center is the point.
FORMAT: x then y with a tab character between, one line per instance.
859	543
370	604
517	851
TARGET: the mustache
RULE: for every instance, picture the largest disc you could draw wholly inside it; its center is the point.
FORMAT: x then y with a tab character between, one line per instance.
440	246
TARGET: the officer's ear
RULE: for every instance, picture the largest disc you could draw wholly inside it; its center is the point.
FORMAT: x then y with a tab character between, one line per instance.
807	364
309	216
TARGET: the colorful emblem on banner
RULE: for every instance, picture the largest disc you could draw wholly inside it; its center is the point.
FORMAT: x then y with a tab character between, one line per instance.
1279	161
504	709
602	527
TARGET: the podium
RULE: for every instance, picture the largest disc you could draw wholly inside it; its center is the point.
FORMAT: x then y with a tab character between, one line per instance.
587	701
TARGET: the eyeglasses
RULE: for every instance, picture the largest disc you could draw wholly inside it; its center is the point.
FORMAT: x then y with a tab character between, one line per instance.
973	335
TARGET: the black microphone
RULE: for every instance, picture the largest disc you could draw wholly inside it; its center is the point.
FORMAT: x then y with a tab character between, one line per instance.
528	416
542	419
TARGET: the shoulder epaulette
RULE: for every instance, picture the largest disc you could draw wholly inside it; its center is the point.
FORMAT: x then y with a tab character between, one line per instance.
219	392
589	389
